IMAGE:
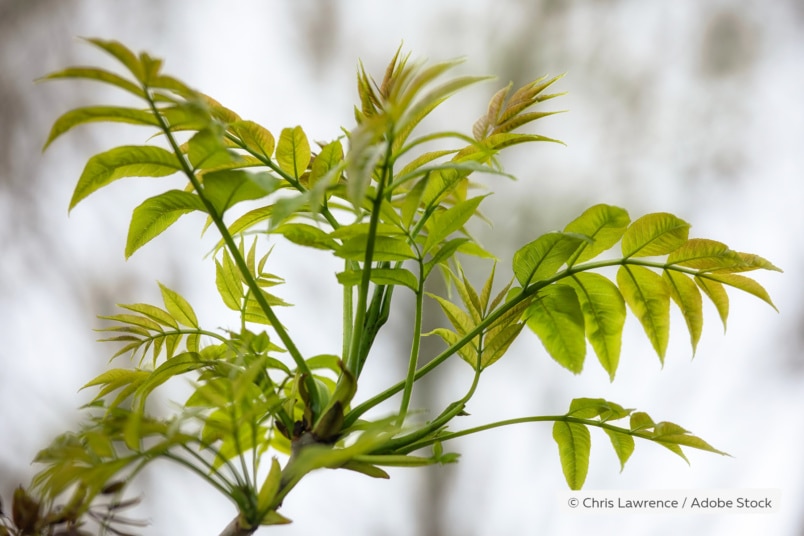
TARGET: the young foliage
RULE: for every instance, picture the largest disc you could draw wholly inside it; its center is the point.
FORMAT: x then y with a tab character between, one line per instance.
392	209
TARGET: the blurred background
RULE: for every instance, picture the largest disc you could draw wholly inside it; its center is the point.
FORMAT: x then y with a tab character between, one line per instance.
687	107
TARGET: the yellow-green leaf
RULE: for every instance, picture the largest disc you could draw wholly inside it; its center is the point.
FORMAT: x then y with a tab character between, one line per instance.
495	347
574	444
154	313
228	187
123	54
156	214
386	248
604	224
688	298
743	283
256	138
329	160
671	434
304	234
444	223
647	295
556	317
623	445
88	114
717	294
293	151
228	282
654	234
541	258
179	308
381	276
99	75
270	486
120	162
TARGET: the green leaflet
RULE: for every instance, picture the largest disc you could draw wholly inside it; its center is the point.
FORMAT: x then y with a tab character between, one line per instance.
120	162
293	152
154	313
254	137
647	295
670	435
654	234
176	366
495	346
306	235
590	408
99	75
381	276
743	283
88	114
717	294
250	219
386	248
156	214
556	317
228	282
688	298
178	307
226	188
604	224
207	149
327	164
122	54
574	444
445	223
543	257
709	255
603	311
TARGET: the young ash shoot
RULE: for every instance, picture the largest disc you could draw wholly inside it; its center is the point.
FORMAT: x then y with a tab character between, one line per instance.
394	211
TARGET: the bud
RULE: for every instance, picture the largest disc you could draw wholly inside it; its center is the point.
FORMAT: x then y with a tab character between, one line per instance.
24	511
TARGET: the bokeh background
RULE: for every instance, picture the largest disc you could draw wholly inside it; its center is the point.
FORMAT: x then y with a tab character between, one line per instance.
689	107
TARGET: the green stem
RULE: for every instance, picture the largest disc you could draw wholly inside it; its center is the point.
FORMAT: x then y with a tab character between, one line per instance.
442	420
235	252
353	362
542	418
414	348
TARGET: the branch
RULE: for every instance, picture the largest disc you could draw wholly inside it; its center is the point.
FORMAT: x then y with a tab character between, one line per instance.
234	529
